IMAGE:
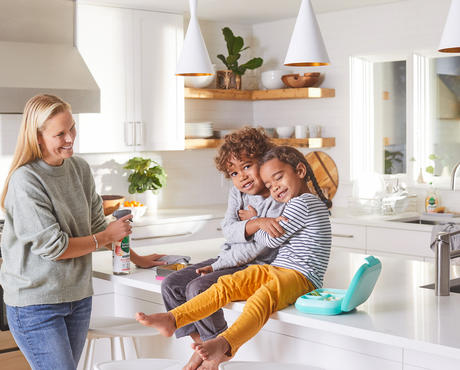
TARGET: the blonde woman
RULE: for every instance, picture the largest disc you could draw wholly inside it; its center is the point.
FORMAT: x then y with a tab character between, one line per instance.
53	222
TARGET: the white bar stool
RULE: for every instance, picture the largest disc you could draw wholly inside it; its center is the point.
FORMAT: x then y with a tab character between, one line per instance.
244	365
114	327
140	364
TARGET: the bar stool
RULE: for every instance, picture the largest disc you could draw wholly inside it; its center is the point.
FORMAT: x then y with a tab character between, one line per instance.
141	364
114	327
244	365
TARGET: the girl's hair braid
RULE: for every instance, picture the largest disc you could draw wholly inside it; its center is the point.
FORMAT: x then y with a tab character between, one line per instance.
293	157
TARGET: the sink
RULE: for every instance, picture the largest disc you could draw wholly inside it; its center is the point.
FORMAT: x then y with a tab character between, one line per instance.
425	221
454	286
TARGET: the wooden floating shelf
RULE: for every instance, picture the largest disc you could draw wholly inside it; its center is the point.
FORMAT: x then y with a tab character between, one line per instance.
314	143
278	94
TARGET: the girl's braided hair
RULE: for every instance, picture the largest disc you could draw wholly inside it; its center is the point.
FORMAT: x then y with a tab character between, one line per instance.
249	141
293	157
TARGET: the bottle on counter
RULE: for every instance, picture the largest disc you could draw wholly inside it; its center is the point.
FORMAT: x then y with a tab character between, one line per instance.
120	249
431	200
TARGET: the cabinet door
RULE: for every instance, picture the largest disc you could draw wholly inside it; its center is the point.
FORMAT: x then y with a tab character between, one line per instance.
158	93
105	41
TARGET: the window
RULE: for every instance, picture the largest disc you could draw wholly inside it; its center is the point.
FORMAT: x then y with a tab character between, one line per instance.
405	116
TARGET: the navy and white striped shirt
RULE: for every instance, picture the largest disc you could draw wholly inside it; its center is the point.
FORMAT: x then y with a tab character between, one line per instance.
306	244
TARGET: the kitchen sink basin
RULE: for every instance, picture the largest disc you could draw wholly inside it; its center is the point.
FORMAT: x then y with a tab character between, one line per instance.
454	286
425	221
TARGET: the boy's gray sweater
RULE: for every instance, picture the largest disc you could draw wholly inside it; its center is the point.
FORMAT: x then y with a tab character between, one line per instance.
238	250
45	206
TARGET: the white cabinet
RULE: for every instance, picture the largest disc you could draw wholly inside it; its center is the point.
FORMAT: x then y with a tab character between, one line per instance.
349	236
132	55
398	241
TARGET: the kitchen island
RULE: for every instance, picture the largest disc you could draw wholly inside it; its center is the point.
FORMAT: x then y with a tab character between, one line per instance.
400	326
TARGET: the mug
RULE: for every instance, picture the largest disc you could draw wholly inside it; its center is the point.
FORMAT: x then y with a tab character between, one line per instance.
300	132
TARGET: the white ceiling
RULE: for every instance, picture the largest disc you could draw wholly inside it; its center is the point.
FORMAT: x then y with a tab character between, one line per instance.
244	11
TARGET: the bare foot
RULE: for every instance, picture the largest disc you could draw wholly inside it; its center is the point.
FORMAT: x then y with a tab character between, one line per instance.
194	362
212	350
213	365
165	323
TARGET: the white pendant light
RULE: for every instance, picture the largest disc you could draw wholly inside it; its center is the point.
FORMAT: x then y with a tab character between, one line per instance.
307	46
194	59
450	40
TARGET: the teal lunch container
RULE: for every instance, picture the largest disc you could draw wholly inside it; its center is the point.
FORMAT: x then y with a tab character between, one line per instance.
334	301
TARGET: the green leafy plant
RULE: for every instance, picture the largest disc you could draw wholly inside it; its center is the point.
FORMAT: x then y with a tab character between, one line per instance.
235	45
146	175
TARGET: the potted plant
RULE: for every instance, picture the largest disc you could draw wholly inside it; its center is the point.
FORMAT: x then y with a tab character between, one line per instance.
231	78
147	178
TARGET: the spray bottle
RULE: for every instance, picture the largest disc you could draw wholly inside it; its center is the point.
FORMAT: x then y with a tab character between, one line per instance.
120	249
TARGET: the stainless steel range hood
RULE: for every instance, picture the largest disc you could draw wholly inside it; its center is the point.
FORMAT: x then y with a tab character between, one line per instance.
43	58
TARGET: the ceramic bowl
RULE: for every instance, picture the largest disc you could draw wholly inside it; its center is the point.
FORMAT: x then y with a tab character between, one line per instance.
285	132
111	203
200	82
272	79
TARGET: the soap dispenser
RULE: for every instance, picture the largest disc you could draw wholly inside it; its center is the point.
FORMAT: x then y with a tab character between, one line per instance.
431	200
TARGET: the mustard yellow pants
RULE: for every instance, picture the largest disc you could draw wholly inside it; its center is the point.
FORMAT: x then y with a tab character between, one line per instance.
266	289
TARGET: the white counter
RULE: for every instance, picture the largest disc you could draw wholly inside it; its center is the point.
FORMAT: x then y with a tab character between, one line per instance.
398	313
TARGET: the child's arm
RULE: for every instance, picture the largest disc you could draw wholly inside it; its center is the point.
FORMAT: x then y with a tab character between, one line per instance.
268	224
146	261
232	227
297	212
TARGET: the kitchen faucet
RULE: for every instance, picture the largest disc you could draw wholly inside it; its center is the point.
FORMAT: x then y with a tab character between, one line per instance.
454	173
443	257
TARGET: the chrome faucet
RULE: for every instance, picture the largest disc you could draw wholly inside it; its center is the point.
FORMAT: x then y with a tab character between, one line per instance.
443	257
453	175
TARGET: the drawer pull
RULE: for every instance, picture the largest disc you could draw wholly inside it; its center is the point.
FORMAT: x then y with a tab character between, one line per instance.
161	236
219	229
343	236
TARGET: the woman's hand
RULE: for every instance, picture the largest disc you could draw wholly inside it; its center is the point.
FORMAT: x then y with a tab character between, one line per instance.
204	270
148	261
246	214
118	229
271	225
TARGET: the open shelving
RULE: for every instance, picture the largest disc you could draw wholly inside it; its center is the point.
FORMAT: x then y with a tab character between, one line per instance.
314	142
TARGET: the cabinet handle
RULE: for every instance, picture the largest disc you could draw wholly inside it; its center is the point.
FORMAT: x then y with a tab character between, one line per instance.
139	132
129	133
343	236
219	229
162	236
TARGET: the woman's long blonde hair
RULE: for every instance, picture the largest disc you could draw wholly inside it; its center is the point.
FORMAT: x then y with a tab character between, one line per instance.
37	111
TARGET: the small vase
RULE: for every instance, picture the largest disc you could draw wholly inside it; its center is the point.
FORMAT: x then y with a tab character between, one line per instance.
149	199
227	79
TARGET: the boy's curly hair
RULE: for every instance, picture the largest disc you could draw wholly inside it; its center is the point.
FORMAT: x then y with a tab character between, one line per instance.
249	141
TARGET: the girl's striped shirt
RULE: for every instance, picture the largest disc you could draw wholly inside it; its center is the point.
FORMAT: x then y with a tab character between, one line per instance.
306	244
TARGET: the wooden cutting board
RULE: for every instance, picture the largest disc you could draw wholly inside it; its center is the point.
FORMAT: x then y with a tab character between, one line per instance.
325	171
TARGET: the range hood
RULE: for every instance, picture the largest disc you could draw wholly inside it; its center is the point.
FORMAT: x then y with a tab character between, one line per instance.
38	55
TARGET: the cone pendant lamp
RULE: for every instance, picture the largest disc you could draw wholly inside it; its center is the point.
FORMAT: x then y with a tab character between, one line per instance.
194	59
307	46
450	39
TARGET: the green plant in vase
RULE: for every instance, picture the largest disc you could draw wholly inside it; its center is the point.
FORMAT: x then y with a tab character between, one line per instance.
146	175
232	77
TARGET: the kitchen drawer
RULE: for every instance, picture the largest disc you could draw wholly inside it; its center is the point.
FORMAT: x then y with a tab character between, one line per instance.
407	242
176	232
14	360
6	340
349	236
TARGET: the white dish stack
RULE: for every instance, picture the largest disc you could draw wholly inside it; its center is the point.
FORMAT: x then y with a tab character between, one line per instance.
198	130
